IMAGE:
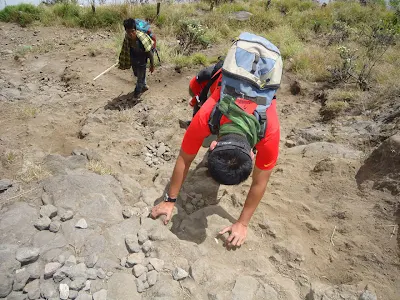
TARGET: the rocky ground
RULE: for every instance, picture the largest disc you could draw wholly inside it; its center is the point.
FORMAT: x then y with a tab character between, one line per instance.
81	166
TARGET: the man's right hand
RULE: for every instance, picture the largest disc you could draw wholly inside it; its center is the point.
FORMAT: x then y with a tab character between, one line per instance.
163	208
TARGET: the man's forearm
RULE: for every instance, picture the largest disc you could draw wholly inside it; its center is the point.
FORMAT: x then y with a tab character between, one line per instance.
256	192
151	57
181	169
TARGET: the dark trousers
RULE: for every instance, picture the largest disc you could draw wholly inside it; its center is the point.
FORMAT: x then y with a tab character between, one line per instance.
140	73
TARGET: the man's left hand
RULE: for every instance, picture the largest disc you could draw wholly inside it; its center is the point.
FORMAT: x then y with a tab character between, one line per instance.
238	234
151	69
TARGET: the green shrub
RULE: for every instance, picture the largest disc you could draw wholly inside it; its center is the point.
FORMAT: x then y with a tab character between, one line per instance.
285	38
22	14
199	59
191	35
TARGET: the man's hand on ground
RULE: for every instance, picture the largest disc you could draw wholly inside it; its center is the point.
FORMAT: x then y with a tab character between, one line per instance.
163	209
151	69
238	233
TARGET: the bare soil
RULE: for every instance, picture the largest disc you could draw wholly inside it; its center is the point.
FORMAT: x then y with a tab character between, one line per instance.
323	226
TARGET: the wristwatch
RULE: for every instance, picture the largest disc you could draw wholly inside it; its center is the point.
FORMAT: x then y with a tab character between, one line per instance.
169	199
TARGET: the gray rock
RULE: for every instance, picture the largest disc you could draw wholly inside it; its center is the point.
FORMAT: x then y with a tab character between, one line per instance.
81	224
50	269
49	243
97	285
6	285
42	223
5	184
139	270
16	296
147	246
134	259
158	264
140	286
55	226
132	244
129	211
91	260
46	199
152	277
367	295
150	267
91	273
161	150
100	295
123	261
64	291
241	15
101	274
142	235
66	215
61	259
73	294
71	261
27	255
245	288
143	277
48	290
16	225
83	296
179	274
120	287
20	279
78	283
33	289
49	211
60	274
96	197
146	285
77	271
87	285
8	263
34	270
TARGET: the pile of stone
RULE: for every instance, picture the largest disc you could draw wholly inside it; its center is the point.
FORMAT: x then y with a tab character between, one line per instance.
141	259
65	278
157	153
192	202
51	220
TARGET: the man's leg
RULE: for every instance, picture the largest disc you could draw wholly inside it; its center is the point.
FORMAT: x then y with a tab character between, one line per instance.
141	79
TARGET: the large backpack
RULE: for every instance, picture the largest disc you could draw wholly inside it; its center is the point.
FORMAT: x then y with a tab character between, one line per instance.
144	26
251	74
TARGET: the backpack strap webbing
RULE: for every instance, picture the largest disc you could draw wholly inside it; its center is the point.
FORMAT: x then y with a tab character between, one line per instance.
204	92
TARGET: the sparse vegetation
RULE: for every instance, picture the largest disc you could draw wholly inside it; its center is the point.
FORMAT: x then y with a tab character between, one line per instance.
307	34
99	167
33	172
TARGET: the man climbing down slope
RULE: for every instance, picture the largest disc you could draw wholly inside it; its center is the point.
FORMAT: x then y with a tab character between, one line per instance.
242	112
136	51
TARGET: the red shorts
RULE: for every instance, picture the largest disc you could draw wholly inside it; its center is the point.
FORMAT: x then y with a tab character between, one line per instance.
267	148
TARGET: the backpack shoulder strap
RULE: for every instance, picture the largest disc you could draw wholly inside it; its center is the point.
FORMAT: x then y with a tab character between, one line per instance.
215	119
204	92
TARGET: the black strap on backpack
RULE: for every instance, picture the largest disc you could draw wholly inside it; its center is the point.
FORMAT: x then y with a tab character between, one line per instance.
214	76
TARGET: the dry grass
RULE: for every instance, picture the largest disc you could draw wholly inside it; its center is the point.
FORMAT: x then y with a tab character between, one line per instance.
99	167
33	172
313	62
27	112
10	156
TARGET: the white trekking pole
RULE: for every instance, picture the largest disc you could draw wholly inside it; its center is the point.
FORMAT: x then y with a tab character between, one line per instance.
104	72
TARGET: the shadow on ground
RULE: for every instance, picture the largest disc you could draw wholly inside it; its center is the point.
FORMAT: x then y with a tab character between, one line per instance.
192	227
122	102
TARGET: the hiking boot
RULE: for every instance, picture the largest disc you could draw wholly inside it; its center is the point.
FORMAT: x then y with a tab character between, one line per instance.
136	95
145	89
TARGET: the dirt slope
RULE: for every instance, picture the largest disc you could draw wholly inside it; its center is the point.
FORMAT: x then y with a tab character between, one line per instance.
314	224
